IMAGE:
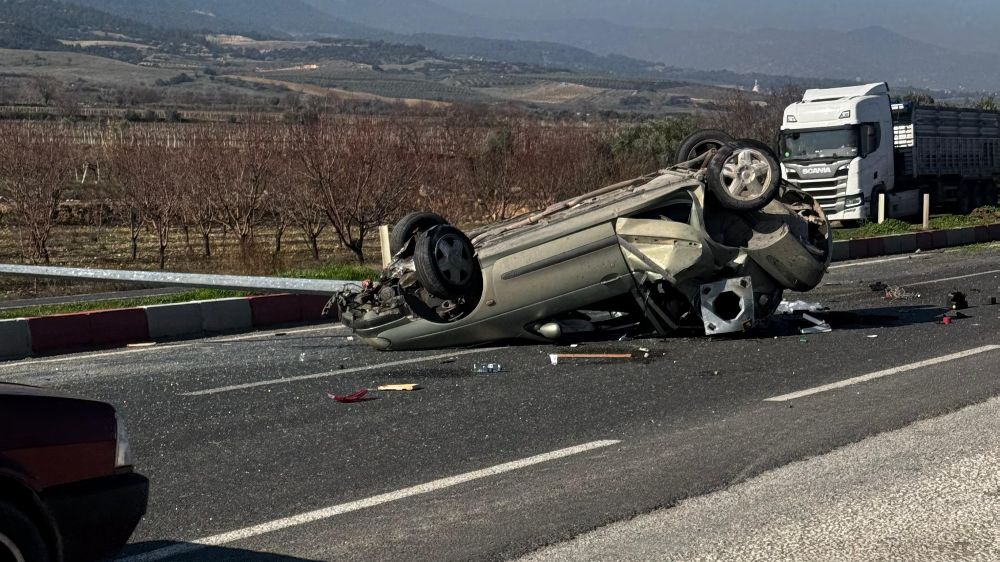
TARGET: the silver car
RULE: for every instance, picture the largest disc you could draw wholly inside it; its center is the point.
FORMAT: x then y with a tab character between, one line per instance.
707	245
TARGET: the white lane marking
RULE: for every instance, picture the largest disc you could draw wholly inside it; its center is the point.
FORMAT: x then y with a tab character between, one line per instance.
947	279
272	333
272	382
884	373
31	362
870	262
333	511
165	347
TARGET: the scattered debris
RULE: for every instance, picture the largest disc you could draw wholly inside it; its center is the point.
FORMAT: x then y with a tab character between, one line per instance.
899	293
819	327
350	338
803	339
787	307
359	396
946	320
878	287
487	368
399	387
143	344
957	301
872	336
555	357
302	357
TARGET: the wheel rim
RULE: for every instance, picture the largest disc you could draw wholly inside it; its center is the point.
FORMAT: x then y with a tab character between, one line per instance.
454	260
746	173
9	551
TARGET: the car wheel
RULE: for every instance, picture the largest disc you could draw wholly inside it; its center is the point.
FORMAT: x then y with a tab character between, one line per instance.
20	539
411	225
700	142
744	176
445	262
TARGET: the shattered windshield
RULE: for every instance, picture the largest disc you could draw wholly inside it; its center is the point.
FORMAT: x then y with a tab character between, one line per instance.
826	143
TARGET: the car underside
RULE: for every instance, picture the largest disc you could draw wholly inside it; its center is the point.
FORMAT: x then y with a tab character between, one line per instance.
709	245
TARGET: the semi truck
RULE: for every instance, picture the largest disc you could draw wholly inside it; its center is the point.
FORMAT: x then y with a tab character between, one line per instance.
846	146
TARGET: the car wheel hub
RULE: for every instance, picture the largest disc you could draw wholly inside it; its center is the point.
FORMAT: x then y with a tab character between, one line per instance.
453	259
746	177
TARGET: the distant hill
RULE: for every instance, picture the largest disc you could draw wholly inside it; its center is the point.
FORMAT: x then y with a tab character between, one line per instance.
873	53
50	25
266	17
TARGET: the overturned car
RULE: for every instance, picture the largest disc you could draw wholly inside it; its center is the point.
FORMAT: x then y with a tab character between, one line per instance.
707	245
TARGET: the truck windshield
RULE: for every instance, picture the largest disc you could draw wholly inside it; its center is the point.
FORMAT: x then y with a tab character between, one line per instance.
825	143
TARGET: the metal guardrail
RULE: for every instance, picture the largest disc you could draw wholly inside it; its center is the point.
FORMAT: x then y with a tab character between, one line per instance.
192	280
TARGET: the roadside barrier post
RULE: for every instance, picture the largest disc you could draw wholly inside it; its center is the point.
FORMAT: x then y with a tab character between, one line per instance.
881	208
383	235
927	211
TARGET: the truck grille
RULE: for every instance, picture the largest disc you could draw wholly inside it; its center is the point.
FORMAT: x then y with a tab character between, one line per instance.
831	193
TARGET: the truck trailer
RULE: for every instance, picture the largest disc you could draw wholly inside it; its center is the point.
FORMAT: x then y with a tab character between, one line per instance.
845	146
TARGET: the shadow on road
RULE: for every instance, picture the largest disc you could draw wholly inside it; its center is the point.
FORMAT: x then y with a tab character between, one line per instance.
190	552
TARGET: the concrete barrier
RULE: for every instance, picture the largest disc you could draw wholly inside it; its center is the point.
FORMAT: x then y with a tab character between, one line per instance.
312	306
15	339
65	331
226	315
174	320
117	327
272	310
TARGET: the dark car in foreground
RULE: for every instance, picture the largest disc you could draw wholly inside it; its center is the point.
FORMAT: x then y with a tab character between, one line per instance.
68	491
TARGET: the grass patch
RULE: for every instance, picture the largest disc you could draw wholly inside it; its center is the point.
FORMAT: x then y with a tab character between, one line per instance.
871	229
347	272
979	217
342	271
113	304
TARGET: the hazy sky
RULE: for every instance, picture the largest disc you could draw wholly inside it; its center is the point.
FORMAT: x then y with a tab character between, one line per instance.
963	25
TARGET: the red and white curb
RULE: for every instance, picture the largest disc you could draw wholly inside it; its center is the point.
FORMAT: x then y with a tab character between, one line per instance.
24	337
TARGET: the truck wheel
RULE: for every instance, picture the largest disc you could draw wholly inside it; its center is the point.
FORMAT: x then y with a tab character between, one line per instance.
20	539
411	225
744	176
445	262
700	142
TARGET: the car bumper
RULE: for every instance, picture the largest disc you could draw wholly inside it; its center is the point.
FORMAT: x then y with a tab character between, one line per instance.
95	518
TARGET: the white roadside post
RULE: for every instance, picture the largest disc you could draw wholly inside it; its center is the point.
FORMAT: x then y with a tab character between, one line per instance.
927	211
383	235
881	208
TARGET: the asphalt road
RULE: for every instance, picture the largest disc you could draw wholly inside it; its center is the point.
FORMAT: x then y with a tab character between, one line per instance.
249	457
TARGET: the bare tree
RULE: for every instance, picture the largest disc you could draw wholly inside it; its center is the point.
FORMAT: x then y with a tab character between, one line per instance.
245	166
745	117
360	174
35	170
149	178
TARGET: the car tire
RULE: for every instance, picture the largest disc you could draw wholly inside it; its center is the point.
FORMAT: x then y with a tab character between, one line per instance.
411	225
20	539
744	176
700	142
445	262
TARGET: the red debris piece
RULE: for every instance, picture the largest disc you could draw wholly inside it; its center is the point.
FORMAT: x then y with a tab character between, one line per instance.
359	396
946	320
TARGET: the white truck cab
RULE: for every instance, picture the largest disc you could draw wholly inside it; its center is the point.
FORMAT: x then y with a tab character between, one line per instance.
837	144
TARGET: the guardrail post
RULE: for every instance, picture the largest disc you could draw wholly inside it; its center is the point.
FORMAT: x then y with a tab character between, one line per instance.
881	208
383	235
927	211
